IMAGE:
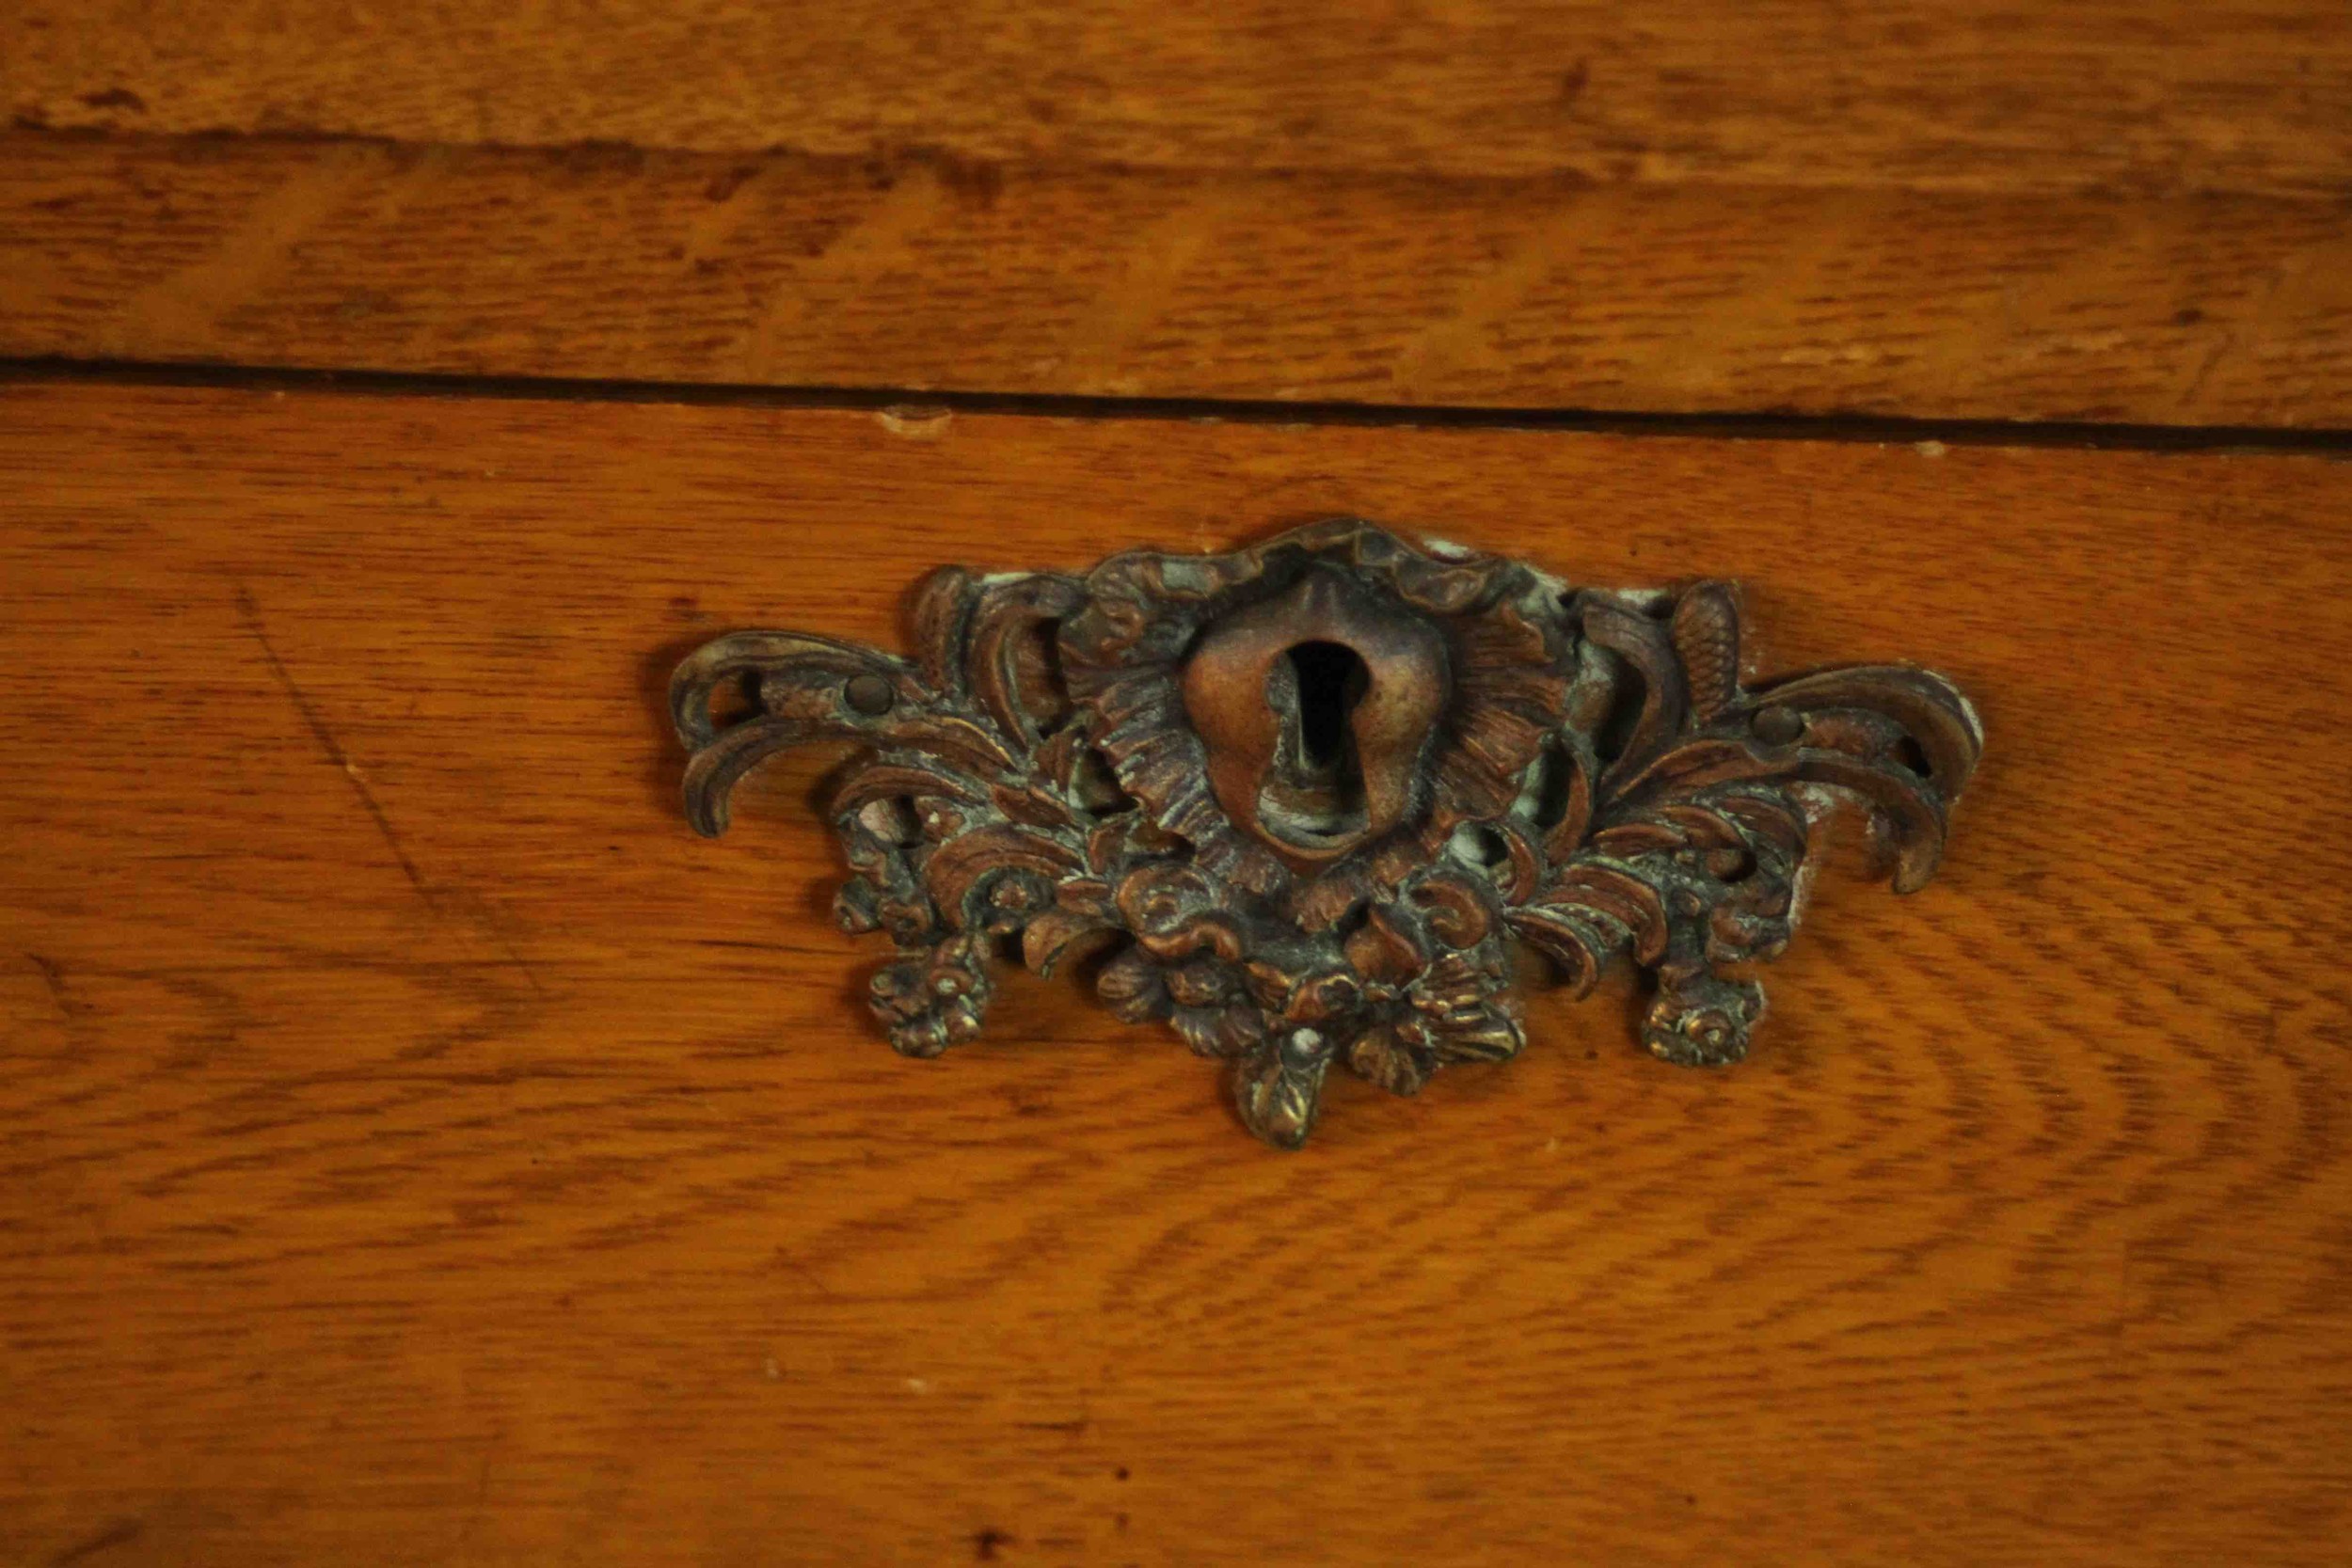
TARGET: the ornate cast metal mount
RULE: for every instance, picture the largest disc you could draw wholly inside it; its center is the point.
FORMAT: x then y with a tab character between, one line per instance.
1308	792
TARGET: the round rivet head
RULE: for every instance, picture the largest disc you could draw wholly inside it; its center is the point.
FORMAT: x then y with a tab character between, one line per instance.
868	694
1777	726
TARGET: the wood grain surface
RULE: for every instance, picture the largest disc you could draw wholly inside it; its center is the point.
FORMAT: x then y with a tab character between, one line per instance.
2243	95
924	273
419	1149
2113	209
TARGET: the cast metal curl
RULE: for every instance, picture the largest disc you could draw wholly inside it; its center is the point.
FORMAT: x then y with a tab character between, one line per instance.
1308	793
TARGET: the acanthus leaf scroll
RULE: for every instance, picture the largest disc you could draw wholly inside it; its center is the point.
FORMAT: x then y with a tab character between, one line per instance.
1313	793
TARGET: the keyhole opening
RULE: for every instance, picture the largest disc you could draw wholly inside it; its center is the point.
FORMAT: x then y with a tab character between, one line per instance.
1332	681
1315	790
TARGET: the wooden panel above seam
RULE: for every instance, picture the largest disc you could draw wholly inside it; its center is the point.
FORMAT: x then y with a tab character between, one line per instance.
923	273
2114	210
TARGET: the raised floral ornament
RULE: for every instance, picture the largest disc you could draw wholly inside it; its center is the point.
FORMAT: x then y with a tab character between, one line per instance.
1310	791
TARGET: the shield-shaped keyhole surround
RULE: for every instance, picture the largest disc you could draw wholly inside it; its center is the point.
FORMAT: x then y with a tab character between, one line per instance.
1316	708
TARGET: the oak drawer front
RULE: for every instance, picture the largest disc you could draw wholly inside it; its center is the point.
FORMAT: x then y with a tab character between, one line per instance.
2106	210
423	1149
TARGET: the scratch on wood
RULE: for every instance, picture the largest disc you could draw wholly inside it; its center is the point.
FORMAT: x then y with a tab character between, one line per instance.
53	975
122	1532
2204	370
251	614
486	918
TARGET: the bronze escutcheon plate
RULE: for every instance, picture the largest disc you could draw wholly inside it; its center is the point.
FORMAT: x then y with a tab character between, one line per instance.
1311	796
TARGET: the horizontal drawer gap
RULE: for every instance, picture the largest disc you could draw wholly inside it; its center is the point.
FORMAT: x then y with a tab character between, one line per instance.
1767	426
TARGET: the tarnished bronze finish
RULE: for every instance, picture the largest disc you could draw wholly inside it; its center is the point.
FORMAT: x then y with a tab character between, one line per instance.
1316	708
1311	793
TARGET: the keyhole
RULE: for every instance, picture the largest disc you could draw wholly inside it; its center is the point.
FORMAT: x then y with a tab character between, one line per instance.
1332	681
1315	790
1316	711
